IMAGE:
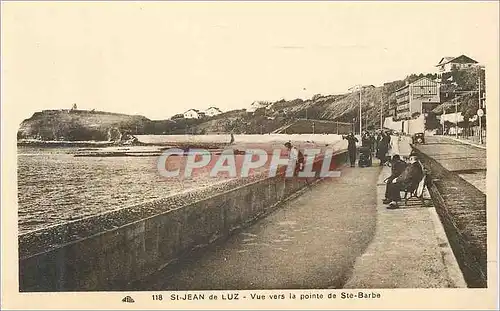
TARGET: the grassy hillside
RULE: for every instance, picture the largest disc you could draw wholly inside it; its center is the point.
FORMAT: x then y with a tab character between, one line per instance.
79	125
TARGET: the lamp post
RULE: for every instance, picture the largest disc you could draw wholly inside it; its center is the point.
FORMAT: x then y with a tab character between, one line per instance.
360	122
442	119
456	118
480	106
456	110
304	89
359	87
381	108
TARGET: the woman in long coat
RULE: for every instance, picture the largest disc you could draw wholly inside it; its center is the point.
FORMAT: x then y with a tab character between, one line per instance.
383	148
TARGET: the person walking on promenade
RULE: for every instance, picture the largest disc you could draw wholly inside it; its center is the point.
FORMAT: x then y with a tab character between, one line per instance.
365	140
378	140
351	147
373	143
383	147
411	175
397	168
388	134
296	156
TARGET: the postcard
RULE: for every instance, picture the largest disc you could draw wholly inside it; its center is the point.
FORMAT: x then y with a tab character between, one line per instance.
249	155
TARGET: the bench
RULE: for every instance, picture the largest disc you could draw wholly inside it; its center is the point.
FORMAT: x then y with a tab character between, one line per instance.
416	190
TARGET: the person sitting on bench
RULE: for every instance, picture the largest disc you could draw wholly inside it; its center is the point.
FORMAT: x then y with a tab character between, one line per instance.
397	168
409	179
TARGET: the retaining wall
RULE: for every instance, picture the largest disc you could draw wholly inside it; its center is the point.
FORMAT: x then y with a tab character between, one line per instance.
112	251
462	210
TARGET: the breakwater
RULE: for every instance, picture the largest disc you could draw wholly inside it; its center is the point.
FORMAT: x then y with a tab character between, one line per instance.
113	250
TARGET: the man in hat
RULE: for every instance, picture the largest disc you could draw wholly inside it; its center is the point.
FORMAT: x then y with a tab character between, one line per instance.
383	147
410	177
351	147
295	155
397	168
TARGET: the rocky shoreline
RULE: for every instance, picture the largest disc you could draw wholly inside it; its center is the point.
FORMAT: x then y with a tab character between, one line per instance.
103	144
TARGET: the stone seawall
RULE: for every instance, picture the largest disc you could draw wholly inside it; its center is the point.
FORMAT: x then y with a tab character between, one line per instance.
462	210
114	250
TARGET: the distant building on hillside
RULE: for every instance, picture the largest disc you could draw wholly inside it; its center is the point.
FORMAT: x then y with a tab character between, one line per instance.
420	96
194	114
212	111
257	105
177	116
447	64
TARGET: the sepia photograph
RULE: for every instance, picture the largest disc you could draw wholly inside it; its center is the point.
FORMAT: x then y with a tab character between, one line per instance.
198	155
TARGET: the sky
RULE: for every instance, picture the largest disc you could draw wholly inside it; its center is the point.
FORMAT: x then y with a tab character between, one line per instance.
157	59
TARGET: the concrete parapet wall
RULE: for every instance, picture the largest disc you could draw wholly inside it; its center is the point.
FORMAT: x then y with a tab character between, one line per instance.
462	210
103	253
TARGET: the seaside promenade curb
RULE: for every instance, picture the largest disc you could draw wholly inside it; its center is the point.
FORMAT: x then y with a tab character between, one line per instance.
463	141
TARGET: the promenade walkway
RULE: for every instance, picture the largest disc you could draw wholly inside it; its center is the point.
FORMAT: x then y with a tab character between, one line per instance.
335	234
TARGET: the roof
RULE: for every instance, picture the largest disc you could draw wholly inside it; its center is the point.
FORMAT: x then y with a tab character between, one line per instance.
416	82
447	59
195	110
214	108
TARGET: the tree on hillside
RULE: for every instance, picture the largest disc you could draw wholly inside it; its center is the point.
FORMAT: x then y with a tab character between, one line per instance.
414	77
391	87
465	80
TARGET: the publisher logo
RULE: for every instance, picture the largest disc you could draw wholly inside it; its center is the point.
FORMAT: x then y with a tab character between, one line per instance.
128	299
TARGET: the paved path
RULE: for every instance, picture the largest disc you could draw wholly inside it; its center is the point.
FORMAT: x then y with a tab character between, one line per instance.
409	250
468	161
312	242
337	234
